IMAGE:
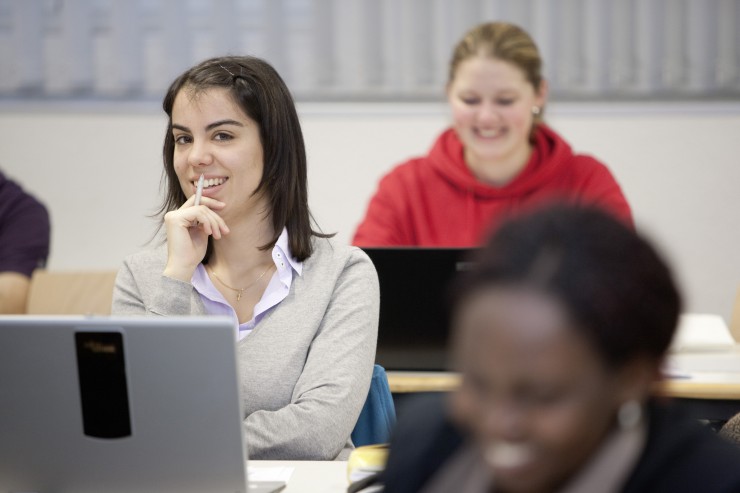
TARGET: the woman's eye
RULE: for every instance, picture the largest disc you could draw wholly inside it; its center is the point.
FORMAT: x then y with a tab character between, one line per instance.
182	139
543	397
505	102
222	136
470	101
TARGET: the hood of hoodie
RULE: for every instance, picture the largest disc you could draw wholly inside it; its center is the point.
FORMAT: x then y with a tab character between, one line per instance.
549	154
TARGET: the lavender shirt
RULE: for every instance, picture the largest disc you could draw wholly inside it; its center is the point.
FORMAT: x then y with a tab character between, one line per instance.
276	291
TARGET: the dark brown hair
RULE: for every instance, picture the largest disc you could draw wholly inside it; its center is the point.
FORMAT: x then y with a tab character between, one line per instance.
263	96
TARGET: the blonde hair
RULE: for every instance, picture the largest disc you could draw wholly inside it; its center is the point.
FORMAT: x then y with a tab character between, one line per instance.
502	41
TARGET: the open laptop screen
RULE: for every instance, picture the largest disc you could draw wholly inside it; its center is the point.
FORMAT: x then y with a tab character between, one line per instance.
120	404
414	311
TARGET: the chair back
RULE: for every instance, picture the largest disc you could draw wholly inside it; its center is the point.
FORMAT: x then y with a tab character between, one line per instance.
378	415
71	292
735	320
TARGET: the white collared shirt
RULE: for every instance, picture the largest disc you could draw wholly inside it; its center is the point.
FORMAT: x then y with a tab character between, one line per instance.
277	289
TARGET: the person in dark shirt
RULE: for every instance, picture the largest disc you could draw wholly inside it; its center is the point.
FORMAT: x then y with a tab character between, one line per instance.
24	243
559	334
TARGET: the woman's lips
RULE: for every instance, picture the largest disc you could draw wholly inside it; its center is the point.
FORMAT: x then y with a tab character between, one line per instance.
502	455
210	184
488	133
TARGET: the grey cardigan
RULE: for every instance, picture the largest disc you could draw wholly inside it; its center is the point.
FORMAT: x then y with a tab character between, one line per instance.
305	369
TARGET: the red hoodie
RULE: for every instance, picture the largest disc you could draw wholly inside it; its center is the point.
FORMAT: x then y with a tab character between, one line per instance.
437	201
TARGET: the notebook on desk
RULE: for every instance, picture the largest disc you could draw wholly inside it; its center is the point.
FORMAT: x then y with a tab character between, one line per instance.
120	405
701	332
414	313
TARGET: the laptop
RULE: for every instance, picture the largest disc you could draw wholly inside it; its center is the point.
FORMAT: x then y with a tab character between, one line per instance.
414	310
121	405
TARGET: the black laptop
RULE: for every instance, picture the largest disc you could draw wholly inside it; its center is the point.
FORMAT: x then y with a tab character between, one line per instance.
414	308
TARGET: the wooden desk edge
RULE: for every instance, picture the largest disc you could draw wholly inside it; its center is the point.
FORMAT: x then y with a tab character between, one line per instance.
688	389
437	382
400	383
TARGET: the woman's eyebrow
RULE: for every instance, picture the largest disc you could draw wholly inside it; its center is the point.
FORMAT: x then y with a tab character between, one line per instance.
210	126
213	125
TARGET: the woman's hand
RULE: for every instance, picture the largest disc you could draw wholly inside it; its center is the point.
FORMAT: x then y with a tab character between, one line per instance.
188	229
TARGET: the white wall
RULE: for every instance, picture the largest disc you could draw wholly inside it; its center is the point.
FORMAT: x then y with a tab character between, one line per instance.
679	166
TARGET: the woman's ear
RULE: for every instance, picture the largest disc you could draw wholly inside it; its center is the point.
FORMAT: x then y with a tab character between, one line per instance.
542	93
636	379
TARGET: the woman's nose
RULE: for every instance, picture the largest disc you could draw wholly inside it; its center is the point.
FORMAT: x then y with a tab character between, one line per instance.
487	113
504	421
200	154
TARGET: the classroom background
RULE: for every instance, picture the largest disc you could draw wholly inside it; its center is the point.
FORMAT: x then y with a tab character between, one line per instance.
650	87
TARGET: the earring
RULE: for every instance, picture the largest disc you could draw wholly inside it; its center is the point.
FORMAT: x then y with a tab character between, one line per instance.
629	415
535	110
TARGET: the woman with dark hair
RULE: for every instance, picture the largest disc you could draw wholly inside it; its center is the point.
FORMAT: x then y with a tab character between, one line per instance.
239	242
559	333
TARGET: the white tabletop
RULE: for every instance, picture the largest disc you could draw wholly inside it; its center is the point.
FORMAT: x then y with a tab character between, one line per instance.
311	476
717	360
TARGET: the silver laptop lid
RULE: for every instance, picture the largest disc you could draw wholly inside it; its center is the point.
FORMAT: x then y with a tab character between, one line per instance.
120	405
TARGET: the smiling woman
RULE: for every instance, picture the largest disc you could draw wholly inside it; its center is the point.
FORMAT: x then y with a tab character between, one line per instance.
306	307
559	333
498	159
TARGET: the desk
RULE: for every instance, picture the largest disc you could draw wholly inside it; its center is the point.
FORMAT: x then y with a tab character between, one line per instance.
709	387
708	375
403	382
311	476
704	385
712	387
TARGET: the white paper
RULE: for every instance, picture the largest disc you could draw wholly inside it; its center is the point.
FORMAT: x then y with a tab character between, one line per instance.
269	473
700	332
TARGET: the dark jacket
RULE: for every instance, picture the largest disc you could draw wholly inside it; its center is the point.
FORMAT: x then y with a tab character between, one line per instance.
680	455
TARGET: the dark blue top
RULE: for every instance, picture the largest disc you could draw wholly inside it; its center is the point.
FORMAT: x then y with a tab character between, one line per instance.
680	456
24	230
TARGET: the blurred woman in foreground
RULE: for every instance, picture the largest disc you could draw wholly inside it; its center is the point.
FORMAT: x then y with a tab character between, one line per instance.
559	335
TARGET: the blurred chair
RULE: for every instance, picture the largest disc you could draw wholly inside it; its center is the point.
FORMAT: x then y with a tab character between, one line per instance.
735	321
378	415
731	429
70	292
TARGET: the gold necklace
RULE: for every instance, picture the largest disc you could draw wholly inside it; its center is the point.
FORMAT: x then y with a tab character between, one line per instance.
239	292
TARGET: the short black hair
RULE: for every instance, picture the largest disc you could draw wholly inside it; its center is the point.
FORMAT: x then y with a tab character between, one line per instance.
612	282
